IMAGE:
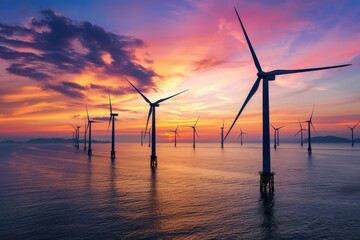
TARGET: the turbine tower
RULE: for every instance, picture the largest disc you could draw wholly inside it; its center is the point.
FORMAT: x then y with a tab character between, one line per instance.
175	133
309	130
241	136
222	135
89	128
266	176
112	120
194	132
301	134
141	137
352	133
76	136
153	106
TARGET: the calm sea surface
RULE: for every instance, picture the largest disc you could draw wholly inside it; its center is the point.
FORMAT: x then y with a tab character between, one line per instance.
57	192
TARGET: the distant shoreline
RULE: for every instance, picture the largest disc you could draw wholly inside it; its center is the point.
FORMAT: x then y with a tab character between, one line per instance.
320	139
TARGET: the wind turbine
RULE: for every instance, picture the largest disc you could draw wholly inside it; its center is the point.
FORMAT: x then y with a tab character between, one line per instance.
77	135
153	157
85	136
112	120
266	176
194	131
301	134
73	133
241	136
309	130
352	133
222	135
89	127
175	133
276	135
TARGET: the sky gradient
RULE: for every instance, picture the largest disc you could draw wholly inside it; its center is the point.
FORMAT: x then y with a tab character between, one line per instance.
57	56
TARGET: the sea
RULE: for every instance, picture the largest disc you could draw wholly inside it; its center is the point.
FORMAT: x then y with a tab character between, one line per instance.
54	191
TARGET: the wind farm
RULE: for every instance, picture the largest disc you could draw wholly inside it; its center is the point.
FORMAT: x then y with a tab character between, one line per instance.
206	63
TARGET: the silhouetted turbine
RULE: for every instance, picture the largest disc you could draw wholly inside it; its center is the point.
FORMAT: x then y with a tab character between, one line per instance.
352	133
309	130
194	132
89	128
276	135
266	174
301	134
241	136
222	135
112	120
175	134
77	136
153	157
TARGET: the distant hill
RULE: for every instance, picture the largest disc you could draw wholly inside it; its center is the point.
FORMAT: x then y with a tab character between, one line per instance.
49	140
329	139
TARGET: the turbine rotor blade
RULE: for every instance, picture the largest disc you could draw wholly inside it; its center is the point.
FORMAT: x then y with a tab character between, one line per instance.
147	121
281	127
196	121
110	103
273	127
312	112
196	133
164	99
356	124
145	98
300	124
251	93
349	127
87	112
314	129
297	132
256	61
282	72
109	122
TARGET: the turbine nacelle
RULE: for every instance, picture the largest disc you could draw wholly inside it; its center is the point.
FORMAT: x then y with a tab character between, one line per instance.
114	114
266	76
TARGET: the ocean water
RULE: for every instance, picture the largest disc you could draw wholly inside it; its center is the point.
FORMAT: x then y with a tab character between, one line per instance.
53	191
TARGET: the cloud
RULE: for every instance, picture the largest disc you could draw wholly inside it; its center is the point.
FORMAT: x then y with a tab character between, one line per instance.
51	46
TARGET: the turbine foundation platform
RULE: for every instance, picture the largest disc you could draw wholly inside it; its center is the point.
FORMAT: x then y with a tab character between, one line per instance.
153	161
267	182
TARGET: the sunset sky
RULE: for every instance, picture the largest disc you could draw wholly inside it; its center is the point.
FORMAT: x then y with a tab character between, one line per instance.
56	56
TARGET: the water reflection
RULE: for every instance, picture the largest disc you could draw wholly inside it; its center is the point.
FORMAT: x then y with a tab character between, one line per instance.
266	208
153	203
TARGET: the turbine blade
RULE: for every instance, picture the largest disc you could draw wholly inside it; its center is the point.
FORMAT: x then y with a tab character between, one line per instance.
87	112
177	128
251	93
196	121
312	112
256	61
73	127
314	129
281	127
177	134
196	133
223	124
356	124
147	121
273	127
282	72
298	132
110	103
300	124
164	99
109	122
145	98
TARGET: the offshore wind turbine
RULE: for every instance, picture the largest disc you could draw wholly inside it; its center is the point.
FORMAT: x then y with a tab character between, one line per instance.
77	136
276	135
194	132
175	134
309	130
222	135
352	133
266	176
241	136
89	128
73	139
301	134
112	120
153	106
